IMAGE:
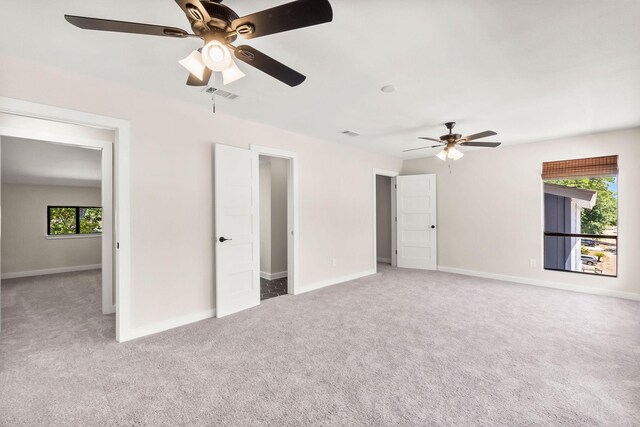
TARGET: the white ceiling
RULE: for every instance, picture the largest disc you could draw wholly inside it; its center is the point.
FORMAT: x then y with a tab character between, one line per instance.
529	70
26	161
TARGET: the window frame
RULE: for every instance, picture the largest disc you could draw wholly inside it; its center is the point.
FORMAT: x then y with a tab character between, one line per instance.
77	209
546	234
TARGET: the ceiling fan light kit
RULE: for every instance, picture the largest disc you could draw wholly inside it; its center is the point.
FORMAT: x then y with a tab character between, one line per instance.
219	26
194	64
449	143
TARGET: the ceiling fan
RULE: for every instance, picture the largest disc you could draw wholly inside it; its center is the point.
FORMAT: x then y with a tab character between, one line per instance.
218	26
450	140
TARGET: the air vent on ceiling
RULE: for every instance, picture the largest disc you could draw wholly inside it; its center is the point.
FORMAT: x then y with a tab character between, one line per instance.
350	133
222	93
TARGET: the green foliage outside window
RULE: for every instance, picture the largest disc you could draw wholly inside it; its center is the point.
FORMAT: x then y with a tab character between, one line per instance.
90	220
74	220
62	221
605	212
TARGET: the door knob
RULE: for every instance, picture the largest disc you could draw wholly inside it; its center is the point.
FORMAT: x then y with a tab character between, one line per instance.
433	226
223	239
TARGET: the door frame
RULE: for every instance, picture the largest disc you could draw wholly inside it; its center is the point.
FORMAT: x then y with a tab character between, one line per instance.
116	239
293	211
392	175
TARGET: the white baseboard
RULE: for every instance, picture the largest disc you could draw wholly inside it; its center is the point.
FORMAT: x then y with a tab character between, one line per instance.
385	260
543	283
46	271
333	281
273	276
167	324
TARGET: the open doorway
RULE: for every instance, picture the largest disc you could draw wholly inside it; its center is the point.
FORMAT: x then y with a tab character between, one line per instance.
57	226
52	230
384	218
274	208
384	221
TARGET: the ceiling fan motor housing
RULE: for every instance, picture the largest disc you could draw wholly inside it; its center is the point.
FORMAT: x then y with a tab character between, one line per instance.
451	137
220	23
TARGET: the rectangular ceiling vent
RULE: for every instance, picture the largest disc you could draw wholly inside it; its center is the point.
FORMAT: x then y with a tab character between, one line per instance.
350	133
222	93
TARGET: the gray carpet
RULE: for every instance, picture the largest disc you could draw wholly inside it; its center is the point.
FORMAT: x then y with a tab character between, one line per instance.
399	348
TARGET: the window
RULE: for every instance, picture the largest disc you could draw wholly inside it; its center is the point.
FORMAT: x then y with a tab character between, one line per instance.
581	215
65	220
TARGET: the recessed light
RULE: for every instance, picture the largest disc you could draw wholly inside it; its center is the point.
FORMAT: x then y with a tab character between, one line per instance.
388	88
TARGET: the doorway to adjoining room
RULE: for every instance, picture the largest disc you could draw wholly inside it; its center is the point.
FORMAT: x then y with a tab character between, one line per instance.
274	179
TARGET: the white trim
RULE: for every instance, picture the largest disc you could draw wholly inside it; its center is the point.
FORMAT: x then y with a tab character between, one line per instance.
46	271
542	283
293	212
385	260
393	175
72	236
172	323
273	276
117	174
335	281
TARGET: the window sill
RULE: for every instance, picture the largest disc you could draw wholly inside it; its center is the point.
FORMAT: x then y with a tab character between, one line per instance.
72	236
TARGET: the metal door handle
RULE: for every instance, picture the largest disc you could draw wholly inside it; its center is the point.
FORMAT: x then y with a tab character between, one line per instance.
223	239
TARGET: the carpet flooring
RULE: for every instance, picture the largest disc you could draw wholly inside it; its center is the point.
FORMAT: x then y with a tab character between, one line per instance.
401	347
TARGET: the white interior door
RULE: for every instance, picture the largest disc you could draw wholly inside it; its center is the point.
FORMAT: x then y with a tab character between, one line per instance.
237	234
416	219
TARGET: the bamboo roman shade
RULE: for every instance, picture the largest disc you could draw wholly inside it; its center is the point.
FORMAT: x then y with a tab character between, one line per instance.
581	168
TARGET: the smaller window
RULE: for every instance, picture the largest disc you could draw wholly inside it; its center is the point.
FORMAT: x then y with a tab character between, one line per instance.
65	220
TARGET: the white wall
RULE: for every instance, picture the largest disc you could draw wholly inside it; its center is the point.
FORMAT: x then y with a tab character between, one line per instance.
171	167
490	208
25	247
383	217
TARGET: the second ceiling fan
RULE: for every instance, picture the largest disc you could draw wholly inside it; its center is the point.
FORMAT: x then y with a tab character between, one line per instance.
218	26
449	142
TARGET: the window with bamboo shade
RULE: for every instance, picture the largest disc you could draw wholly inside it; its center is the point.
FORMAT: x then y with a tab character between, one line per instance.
581	215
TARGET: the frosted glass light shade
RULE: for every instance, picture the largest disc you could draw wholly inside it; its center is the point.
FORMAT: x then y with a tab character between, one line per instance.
232	74
455	154
216	56
442	155
194	64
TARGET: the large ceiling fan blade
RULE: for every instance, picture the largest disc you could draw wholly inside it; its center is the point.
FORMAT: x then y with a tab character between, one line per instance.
429	139
194	10
124	27
479	135
193	80
268	65
480	144
422	148
290	16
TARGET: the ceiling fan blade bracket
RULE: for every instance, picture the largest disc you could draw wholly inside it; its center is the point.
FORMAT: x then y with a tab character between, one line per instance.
246	55
245	29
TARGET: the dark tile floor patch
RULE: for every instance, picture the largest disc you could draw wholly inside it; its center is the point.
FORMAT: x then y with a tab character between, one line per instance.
272	288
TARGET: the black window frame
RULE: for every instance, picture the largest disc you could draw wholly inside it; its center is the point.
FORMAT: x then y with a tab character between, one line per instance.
77	208
582	236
